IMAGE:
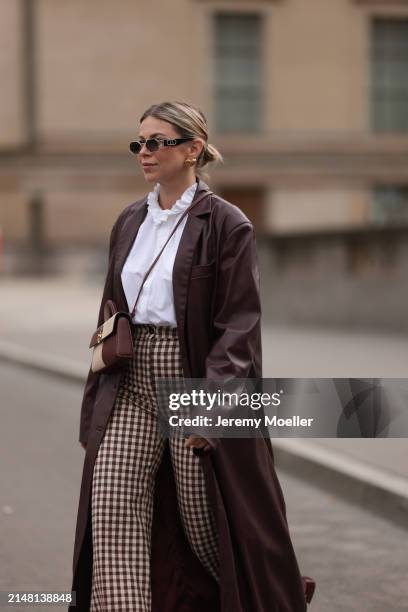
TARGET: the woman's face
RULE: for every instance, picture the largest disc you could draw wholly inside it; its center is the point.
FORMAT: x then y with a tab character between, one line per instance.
167	163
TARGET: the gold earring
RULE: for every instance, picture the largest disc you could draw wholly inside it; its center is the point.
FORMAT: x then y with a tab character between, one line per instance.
190	162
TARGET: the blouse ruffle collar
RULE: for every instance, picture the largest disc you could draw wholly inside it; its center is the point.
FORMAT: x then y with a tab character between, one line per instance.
159	214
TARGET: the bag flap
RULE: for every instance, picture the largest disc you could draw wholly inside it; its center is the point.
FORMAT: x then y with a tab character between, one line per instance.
107	329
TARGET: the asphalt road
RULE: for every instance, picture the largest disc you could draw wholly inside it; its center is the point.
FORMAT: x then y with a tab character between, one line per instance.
359	561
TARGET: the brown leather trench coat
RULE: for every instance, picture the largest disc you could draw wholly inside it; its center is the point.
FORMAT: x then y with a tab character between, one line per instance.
217	306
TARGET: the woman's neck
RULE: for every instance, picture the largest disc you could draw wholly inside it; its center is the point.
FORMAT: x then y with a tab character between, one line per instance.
170	192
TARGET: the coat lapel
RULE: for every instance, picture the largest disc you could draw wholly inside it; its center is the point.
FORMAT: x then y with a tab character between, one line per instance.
126	239
185	251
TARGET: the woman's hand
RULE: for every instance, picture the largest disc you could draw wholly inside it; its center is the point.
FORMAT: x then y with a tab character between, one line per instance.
197	442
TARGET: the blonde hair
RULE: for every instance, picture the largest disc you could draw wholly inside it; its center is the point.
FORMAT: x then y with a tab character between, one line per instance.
190	122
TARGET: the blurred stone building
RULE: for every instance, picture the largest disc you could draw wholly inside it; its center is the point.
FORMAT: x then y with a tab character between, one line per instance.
306	99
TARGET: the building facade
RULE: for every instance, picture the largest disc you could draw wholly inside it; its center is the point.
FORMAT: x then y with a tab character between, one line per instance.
306	99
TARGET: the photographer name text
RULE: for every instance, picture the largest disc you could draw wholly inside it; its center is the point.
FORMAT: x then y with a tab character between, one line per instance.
266	421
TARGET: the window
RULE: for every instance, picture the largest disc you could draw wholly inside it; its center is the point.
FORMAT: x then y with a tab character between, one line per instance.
251	200
390	204
389	75
237	72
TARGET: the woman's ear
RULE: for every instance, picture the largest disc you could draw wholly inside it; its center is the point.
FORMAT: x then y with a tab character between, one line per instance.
196	147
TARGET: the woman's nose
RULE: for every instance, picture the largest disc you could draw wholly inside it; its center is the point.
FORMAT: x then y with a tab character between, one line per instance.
143	146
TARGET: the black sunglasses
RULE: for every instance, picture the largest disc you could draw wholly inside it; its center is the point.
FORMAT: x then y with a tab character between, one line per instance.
153	144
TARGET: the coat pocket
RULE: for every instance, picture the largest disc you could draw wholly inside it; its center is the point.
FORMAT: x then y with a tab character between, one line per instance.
203	270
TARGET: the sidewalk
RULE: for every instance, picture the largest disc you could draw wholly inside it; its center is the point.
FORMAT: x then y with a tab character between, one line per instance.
373	472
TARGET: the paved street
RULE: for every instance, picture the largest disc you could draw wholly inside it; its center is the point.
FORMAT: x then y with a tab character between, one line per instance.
359	561
41	469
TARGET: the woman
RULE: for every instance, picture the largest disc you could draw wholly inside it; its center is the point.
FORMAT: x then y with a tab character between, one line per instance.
180	525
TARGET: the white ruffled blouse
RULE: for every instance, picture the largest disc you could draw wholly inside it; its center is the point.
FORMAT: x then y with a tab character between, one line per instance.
156	303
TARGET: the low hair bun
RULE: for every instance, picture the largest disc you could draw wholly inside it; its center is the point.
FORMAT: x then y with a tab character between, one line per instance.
210	154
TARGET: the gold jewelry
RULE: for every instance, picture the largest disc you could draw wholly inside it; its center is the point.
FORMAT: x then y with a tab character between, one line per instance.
190	162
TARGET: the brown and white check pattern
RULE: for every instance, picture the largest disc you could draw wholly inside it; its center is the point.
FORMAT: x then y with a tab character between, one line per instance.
124	477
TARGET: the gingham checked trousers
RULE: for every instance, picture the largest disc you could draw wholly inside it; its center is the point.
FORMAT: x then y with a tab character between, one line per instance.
124	478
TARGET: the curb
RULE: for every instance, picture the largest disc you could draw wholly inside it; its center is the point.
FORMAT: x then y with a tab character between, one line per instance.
40	362
376	490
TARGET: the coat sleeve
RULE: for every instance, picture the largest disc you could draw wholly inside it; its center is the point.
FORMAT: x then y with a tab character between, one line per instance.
92	381
236	349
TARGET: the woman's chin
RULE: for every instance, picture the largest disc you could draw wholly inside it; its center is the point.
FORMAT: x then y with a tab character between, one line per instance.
150	177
